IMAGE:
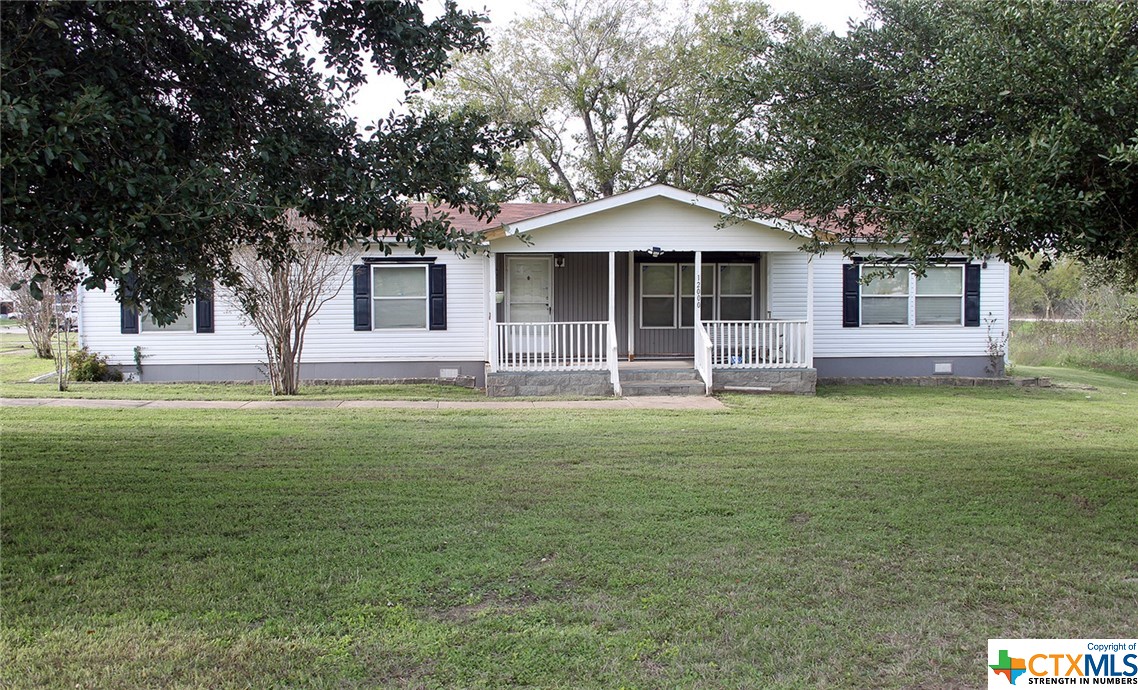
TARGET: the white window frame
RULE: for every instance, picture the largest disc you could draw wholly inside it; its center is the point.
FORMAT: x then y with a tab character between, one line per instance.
143	319
959	296
911	298
674	296
719	283
426	298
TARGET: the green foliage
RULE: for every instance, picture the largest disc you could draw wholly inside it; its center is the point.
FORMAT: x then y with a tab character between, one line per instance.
153	138
1048	289
1101	344
995	128
91	366
620	93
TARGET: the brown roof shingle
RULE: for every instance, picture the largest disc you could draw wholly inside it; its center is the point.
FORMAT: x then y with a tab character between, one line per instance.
510	212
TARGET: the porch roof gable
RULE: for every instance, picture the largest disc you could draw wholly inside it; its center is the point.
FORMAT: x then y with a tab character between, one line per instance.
661	191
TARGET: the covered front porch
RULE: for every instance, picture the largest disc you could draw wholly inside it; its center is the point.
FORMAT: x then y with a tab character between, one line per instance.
648	321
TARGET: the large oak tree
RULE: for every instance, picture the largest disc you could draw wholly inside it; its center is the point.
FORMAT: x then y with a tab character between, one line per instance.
617	94
152	139
1003	129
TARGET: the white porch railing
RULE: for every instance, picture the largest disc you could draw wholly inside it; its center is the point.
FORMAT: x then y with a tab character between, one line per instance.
704	354
555	346
758	344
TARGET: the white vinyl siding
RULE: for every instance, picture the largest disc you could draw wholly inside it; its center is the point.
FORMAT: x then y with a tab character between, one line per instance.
832	340
330	338
786	285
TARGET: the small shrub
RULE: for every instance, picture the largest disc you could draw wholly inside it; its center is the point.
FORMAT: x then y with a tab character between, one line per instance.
91	366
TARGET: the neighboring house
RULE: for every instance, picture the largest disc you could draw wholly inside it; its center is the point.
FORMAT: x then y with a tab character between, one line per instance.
648	291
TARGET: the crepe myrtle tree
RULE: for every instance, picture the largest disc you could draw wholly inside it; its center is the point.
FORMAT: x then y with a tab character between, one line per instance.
38	312
151	140
280	298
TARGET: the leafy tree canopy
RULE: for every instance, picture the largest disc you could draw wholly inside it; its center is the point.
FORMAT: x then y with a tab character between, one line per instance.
154	138
616	94
1007	129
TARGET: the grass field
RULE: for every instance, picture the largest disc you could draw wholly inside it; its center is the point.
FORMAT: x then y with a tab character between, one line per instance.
18	364
868	537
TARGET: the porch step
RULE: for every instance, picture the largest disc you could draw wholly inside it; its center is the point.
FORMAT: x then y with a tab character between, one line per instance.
692	387
664	381
658	375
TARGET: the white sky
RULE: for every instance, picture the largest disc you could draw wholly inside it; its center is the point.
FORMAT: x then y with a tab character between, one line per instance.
383	94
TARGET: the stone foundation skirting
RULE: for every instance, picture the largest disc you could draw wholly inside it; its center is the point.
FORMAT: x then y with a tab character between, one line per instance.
796	381
505	384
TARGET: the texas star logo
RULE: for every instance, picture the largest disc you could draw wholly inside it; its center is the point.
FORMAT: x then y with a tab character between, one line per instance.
1010	666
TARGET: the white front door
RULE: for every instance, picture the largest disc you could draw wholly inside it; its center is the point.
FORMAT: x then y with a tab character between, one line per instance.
529	299
529	293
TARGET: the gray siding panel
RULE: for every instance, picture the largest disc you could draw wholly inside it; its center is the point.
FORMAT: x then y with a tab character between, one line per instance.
863	367
163	373
581	288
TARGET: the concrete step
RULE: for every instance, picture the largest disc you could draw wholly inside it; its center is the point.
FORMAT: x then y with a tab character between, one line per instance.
683	387
658	375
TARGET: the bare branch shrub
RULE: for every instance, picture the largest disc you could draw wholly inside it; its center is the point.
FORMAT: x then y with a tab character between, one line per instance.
280	299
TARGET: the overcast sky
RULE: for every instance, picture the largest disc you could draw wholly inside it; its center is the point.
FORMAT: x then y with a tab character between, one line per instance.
383	94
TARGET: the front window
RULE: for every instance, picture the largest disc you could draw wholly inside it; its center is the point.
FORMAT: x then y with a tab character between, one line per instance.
399	296
885	297
184	322
896	296
940	296
658	296
736	292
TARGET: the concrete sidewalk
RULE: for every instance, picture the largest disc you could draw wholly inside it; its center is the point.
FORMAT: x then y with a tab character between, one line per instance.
635	403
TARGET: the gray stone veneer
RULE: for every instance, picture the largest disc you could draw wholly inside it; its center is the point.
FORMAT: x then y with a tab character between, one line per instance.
797	381
501	384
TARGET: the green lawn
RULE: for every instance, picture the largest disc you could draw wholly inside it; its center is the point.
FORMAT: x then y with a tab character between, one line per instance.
18	364
868	537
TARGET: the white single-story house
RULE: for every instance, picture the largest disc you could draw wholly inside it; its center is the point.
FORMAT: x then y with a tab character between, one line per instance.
653	290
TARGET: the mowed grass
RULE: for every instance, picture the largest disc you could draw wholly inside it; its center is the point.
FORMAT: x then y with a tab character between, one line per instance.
18	364
868	537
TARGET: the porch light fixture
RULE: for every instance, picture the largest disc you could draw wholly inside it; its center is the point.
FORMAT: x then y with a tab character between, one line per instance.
655	252
559	261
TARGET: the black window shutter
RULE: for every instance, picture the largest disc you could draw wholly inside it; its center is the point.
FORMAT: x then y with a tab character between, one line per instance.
204	307
438	296
851	295
972	295
361	296
128	315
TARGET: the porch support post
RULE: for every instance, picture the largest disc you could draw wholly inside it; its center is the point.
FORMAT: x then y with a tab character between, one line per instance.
699	293
810	311
492	311
631	304
612	288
